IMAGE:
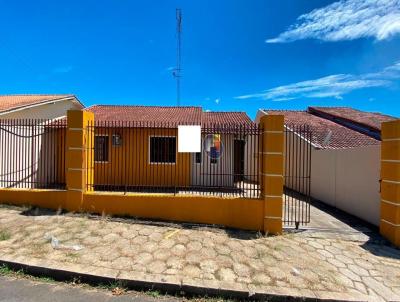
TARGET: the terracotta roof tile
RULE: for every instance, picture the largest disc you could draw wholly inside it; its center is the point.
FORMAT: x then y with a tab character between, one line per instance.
340	136
165	116
11	102
368	119
226	118
151	115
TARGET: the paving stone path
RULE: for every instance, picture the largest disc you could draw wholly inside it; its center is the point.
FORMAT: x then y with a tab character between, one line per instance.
299	264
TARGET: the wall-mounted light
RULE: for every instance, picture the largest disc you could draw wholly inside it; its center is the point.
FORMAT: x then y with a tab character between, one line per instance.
116	140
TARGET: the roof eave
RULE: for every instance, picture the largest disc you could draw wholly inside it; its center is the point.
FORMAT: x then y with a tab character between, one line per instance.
19	108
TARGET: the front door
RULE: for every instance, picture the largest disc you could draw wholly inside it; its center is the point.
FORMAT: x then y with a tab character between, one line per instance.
238	160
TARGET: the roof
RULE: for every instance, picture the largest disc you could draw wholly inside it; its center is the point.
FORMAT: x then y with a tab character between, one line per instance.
227	118
13	102
372	120
326	134
165	116
148	115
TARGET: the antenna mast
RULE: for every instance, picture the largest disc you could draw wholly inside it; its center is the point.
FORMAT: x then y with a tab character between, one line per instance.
177	70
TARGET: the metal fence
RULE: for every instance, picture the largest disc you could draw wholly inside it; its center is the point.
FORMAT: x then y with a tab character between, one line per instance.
144	157
297	174
32	154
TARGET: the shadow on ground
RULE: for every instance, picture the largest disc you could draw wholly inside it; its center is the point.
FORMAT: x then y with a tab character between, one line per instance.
231	232
327	221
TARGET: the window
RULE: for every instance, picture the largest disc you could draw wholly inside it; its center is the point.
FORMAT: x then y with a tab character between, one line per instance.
101	148
198	157
162	149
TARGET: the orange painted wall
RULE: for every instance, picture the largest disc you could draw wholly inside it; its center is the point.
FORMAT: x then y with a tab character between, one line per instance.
50	199
390	186
242	213
129	164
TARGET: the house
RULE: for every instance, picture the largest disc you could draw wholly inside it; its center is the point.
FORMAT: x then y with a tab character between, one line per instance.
29	147
37	106
345	156
135	149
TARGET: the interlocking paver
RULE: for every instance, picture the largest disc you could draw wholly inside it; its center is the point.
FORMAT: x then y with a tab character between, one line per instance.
379	288
303	264
336	263
225	274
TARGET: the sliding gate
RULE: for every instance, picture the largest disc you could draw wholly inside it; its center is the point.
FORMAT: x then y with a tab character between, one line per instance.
297	175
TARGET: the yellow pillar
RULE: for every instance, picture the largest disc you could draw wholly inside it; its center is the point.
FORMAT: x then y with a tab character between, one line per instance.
79	157
272	171
390	186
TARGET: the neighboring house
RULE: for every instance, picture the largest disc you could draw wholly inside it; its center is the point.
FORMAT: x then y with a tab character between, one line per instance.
35	106
136	147
30	150
345	156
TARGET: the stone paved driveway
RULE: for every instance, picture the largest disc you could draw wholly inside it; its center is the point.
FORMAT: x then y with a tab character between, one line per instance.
304	263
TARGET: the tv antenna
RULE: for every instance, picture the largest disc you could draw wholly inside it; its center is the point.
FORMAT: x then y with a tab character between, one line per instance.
177	70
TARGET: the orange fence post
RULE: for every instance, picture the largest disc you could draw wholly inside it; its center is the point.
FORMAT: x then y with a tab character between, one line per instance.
390	186
78	157
272	172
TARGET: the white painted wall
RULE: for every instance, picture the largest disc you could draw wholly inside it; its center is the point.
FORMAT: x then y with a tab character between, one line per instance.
28	156
349	180
251	153
204	174
23	153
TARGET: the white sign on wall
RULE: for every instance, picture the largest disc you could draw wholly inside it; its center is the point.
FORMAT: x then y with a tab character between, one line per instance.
189	139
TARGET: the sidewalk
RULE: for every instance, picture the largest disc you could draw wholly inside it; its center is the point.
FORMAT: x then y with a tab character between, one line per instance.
297	264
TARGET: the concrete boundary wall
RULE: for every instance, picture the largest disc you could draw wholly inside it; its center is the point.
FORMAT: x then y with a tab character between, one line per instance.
49	199
263	214
239	213
348	179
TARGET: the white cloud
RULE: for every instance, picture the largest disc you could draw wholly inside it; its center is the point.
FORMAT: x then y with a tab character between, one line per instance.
217	101
346	20
283	99
330	86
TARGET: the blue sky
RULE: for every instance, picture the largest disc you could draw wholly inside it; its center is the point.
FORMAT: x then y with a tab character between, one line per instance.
236	55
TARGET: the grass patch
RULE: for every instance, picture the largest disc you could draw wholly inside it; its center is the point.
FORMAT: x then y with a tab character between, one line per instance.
7	271
153	293
72	255
4	235
112	285
45	279
117	288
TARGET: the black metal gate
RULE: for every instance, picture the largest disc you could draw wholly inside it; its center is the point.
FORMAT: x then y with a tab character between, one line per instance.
32	154
297	180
